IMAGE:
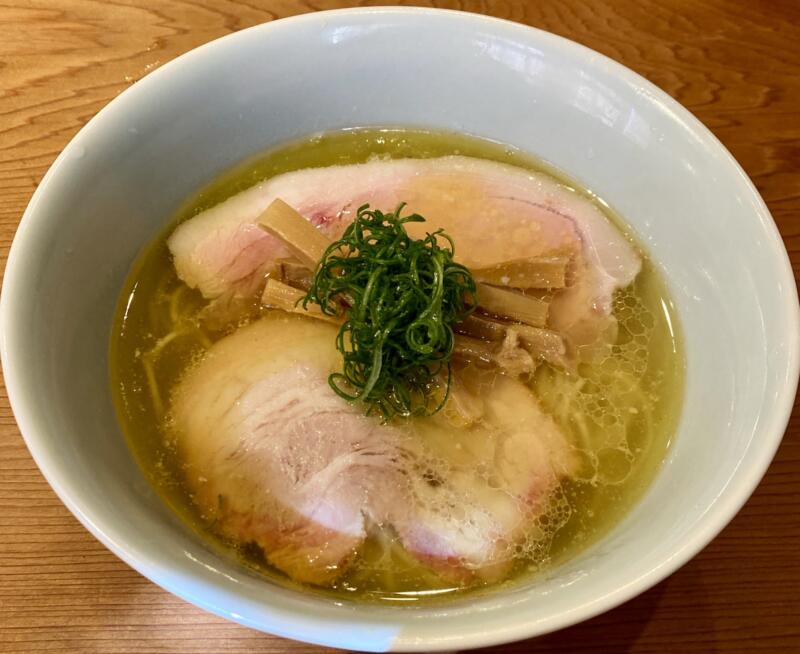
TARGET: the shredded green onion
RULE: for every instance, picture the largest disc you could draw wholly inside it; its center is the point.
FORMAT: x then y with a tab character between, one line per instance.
403	297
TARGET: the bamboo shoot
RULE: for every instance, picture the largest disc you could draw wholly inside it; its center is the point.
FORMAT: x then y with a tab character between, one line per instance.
515	306
537	272
293	273
507	355
542	344
280	296
304	240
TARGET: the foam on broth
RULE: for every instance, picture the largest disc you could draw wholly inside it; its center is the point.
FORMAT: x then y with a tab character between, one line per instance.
618	413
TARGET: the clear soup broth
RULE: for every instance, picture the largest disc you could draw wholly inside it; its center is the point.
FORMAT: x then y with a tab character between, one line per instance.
618	413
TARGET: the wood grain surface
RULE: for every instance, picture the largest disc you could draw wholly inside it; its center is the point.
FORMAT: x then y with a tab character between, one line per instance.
735	64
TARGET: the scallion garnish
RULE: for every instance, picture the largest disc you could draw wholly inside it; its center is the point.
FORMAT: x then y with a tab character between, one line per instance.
403	296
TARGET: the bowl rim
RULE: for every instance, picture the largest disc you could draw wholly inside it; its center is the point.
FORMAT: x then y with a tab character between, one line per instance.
310	629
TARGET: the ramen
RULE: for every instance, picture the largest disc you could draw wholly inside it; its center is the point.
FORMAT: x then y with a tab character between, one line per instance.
396	364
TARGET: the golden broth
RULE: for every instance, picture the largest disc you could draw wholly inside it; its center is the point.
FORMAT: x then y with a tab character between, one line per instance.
619	413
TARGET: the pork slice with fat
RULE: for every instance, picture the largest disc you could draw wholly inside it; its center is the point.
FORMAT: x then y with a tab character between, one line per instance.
274	457
494	212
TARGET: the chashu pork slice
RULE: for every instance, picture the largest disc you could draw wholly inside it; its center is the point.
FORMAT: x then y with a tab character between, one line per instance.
494	212
273	456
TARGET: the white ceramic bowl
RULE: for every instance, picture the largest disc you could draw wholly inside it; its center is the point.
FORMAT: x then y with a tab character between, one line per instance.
123	175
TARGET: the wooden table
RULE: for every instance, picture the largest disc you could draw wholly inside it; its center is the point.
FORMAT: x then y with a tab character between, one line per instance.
736	65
